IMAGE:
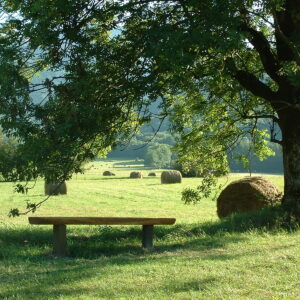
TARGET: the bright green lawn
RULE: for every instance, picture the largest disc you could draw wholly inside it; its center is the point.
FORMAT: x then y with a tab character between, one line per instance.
198	258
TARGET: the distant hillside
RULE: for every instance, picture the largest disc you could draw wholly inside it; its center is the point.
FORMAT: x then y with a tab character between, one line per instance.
139	145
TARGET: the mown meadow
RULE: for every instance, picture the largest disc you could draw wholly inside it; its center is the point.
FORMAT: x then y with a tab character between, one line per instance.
200	257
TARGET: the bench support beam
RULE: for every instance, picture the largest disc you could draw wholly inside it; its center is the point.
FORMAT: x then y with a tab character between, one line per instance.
147	239
59	240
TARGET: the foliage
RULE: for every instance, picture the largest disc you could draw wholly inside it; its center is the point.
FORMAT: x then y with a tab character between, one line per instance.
8	148
223	66
83	100
218	67
84	105
141	142
158	156
241	159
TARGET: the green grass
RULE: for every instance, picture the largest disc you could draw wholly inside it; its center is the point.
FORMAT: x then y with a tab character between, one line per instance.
200	257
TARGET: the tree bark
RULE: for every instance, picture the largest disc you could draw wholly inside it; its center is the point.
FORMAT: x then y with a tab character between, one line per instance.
290	127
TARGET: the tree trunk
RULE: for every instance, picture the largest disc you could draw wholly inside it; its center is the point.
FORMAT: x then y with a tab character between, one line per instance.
290	126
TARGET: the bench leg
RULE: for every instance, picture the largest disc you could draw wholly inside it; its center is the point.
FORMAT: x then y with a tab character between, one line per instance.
59	240
147	240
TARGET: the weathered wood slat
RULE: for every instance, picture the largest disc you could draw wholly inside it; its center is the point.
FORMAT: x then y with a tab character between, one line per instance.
100	221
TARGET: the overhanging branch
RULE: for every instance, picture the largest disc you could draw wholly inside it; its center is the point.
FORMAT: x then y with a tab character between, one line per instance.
262	46
251	83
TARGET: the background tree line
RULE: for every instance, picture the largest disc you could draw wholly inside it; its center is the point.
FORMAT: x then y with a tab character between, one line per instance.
157	152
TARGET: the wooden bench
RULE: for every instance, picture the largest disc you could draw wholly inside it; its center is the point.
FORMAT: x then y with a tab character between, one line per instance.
59	228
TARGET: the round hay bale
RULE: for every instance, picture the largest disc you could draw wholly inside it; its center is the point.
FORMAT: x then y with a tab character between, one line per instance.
136	175
171	177
247	194
152	174
108	173
54	188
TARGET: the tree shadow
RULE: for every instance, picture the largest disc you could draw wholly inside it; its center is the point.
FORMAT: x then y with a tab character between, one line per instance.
62	278
102	248
57	280
118	240
192	285
108	241
126	240
106	248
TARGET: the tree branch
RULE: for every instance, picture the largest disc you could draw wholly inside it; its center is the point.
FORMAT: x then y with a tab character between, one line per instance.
262	46
254	85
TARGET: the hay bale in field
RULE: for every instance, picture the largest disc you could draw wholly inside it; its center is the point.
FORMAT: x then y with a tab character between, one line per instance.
152	174
172	176
108	173
246	194
54	188
136	175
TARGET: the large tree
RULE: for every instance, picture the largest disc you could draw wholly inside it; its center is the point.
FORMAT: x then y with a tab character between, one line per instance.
218	67
68	91
232	63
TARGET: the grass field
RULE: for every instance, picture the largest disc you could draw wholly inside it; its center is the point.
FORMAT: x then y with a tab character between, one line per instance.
198	258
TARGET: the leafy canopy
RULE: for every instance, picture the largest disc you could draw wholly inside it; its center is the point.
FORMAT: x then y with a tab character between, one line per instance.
221	66
66	94
218	67
158	156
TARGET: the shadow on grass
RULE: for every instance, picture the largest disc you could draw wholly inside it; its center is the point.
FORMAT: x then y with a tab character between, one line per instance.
192	285
94	241
65	277
98	252
44	277
56	278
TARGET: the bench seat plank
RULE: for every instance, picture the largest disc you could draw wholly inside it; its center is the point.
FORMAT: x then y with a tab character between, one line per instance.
100	221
